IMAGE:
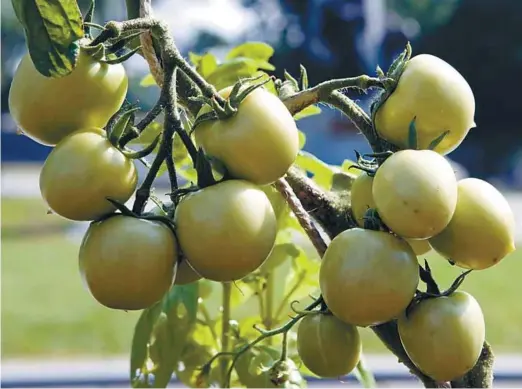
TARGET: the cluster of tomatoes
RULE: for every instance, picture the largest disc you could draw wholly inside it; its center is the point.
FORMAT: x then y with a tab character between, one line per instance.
406	204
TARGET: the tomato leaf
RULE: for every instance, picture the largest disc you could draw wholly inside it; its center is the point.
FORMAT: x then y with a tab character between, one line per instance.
308	111
147	81
52	29
302	139
255	50
322	172
140	340
231	71
412	135
207	64
435	142
179	308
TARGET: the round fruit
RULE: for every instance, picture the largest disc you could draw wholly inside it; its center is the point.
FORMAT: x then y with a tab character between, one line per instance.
128	263
420	247
415	193
258	144
251	364
48	109
327	346
436	95
355	276
481	232
82	171
185	274
227	230
444	336
362	197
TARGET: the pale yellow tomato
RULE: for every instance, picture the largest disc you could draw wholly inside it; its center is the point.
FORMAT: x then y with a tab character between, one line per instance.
482	230
415	193
437	96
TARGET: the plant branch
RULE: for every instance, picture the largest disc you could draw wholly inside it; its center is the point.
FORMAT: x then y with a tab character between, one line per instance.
225	330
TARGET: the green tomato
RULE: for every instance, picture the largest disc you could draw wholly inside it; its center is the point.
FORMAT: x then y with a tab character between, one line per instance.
437	96
128	263
48	109
327	346
415	193
252	364
226	231
82	171
258	144
355	276
482	230
444	336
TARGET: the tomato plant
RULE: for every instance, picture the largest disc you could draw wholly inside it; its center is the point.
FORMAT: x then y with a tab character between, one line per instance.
258	265
415	193
443	336
48	109
327	346
354	276
257	144
481	231
435	95
82	171
237	223
128	263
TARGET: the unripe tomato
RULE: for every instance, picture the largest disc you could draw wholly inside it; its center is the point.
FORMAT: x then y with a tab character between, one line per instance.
368	277
444	336
48	109
81	171
437	96
258	144
327	346
185	274
362	200
128	263
227	230
415	193
481	231
251	364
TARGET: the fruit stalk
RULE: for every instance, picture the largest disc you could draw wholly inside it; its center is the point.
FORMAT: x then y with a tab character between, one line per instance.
225	331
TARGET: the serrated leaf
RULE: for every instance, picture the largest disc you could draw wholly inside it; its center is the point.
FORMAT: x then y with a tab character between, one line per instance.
322	172
147	81
308	111
52	30
255	50
141	338
232	71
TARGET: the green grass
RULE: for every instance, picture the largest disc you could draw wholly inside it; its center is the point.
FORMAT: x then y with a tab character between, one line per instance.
47	311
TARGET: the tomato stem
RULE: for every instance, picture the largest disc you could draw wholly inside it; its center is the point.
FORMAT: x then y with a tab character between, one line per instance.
269	293
225	331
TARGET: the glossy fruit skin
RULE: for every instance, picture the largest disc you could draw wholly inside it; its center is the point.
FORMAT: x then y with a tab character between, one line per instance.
355	276
444	336
227	230
81	171
437	96
481	232
251	364
185	274
48	109
258	144
415	193
327	346
420	247
128	263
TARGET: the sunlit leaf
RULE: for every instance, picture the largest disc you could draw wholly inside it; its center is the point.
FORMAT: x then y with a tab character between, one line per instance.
194	58
254	50
308	111
322	172
232	71
240	293
148	134
207	64
147	81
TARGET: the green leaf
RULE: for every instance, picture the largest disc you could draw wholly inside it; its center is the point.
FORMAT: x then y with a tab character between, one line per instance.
194	58
435	142
232	71
412	135
140	340
207	65
308	111
147	81
302	139
322	172
179	311
52	30
254	50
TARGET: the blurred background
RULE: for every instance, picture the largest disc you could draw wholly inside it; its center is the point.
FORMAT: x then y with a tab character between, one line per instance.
47	313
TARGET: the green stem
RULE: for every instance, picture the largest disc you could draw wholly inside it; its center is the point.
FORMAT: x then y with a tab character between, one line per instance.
225	331
286	299
147	119
267	334
209	324
269	298
143	192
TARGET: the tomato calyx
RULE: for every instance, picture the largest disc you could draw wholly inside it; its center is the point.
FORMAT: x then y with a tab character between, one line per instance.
432	289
